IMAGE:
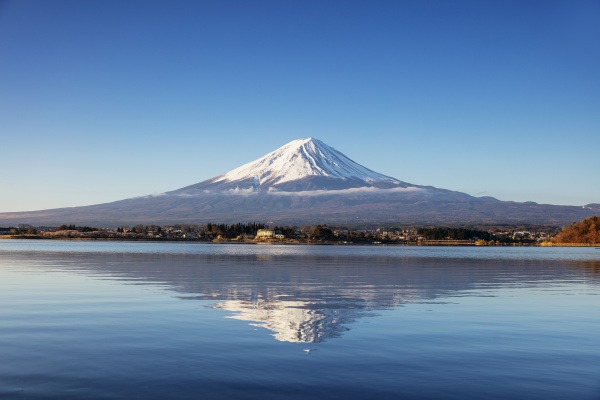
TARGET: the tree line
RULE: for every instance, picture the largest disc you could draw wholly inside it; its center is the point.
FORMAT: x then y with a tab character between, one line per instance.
234	230
452	234
64	227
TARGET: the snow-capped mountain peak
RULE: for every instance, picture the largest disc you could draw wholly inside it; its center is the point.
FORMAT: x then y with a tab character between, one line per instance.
300	159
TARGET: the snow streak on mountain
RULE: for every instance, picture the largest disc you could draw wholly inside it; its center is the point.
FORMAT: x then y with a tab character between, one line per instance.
301	165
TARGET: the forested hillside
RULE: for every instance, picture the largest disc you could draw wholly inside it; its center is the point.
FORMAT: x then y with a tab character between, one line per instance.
586	231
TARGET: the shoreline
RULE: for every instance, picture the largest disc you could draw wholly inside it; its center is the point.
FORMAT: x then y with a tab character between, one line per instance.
432	243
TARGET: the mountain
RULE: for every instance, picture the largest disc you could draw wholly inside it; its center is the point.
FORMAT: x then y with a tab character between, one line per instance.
306	182
301	165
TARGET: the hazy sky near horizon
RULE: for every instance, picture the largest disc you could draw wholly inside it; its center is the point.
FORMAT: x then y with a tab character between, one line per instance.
105	100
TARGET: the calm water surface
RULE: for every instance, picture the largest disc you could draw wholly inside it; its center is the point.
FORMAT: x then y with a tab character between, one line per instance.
107	320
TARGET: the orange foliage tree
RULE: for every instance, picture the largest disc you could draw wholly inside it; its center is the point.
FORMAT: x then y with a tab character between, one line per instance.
586	231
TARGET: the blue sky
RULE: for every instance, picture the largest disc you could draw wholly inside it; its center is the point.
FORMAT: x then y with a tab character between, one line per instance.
105	100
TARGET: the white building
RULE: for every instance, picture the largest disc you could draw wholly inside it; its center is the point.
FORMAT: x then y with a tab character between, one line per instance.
265	234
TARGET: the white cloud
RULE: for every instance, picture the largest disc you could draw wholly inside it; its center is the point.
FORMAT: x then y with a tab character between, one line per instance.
359	190
275	192
240	192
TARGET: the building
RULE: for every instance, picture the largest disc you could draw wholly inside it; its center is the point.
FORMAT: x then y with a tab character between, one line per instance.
265	234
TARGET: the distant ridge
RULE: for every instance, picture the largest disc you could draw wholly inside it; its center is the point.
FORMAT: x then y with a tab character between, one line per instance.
303	182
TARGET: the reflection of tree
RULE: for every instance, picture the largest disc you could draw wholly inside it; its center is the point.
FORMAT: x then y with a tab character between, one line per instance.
591	266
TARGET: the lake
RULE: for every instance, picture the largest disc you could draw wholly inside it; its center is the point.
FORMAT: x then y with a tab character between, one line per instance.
118	320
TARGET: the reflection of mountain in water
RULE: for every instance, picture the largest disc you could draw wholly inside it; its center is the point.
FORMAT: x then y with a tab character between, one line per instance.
294	321
310	298
305	313
308	314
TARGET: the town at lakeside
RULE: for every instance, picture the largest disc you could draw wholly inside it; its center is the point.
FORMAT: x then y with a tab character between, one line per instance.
582	233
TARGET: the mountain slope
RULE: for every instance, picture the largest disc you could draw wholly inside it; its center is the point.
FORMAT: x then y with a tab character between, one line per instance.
304	164
306	181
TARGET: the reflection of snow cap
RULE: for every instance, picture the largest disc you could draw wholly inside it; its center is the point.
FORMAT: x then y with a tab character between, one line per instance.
293	321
